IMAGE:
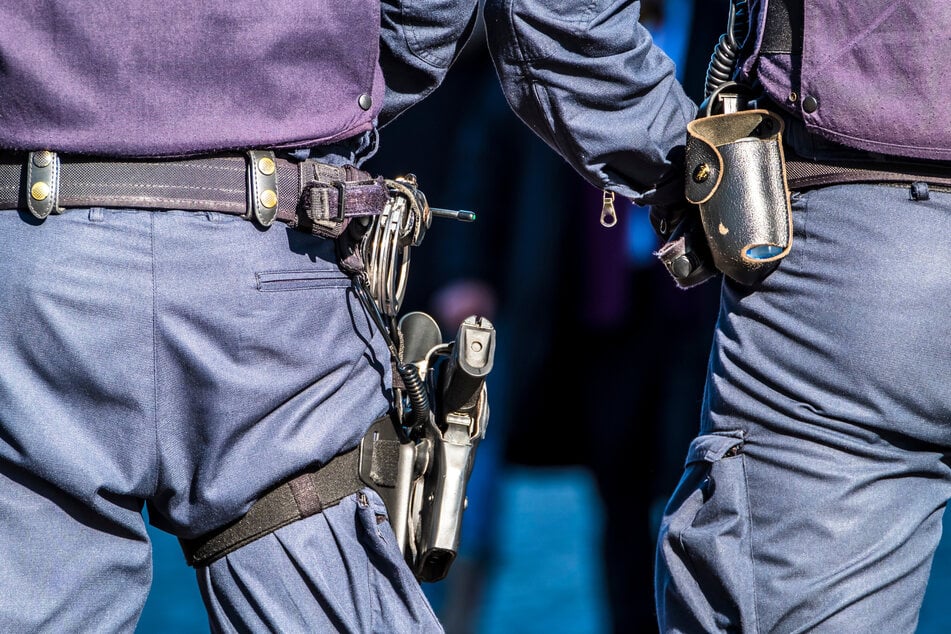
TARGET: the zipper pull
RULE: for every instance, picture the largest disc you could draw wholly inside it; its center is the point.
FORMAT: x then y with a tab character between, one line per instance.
608	215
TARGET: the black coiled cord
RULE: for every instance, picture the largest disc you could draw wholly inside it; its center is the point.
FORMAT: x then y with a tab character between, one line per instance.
415	388
723	60
415	392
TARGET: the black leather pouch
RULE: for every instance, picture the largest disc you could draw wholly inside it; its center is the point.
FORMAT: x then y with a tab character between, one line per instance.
735	173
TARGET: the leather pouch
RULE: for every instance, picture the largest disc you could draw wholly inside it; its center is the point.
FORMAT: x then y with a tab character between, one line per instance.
735	173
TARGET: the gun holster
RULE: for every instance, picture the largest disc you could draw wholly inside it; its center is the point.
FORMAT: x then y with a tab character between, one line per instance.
735	173
421	471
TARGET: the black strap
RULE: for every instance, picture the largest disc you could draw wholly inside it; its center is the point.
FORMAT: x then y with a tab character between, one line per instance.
802	174
305	495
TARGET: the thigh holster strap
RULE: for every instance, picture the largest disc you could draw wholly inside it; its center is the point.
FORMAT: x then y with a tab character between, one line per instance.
303	496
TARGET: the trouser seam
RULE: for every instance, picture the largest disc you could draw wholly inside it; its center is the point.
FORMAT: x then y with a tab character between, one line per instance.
749	520
803	231
155	389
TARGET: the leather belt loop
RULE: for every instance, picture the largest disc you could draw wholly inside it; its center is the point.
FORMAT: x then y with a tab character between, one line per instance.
262	187
42	183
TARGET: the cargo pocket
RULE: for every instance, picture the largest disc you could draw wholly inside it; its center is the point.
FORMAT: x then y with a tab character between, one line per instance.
705	569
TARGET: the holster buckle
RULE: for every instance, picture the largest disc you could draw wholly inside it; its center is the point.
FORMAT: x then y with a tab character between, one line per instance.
341	188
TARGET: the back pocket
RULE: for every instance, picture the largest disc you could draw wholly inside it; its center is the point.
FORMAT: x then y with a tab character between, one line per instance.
270	281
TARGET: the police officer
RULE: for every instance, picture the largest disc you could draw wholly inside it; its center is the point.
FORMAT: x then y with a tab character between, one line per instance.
812	497
177	328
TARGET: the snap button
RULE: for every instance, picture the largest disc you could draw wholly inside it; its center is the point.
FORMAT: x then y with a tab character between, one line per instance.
42	179
365	101
42	158
262	187
40	190
266	165
701	173
269	198
810	104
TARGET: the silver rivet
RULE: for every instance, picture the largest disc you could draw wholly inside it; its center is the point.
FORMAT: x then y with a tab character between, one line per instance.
364	101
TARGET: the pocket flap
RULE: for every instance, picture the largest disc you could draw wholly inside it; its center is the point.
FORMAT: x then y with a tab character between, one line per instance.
712	447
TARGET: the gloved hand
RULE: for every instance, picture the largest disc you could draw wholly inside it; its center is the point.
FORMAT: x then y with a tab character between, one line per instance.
685	252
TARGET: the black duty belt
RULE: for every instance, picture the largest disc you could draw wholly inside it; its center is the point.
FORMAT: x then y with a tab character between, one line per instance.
308	195
803	174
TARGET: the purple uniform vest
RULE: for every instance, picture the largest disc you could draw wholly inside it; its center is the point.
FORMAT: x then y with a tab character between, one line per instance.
872	74
119	78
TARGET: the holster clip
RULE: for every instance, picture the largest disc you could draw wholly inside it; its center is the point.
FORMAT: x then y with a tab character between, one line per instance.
686	254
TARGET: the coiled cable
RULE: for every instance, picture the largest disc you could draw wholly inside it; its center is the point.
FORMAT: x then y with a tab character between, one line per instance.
416	393
723	61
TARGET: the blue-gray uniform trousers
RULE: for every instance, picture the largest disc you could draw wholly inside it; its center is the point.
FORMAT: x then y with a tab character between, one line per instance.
188	361
812	497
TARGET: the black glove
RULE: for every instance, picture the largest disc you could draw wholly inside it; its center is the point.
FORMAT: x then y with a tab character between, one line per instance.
685	252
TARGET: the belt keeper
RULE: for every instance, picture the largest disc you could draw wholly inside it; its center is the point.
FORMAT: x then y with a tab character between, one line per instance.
42	183
262	187
317	214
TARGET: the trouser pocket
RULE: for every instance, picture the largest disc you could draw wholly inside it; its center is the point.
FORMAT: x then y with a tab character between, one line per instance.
704	568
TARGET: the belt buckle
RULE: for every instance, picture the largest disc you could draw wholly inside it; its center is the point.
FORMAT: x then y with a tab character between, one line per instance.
341	188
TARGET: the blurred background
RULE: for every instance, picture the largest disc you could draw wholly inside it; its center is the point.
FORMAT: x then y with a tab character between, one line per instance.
599	367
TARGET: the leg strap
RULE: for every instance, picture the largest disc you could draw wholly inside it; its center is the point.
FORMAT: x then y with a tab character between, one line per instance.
301	497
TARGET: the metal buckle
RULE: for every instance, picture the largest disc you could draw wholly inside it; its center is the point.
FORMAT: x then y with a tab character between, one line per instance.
341	188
